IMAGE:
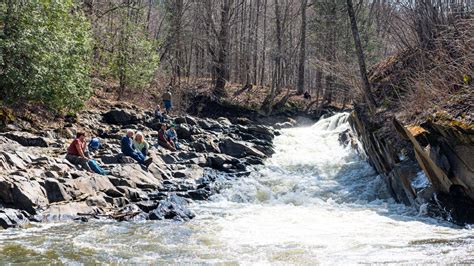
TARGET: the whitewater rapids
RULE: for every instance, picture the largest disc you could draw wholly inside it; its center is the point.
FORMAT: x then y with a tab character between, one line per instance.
313	202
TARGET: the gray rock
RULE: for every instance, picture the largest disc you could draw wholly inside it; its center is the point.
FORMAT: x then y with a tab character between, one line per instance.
136	176
56	191
183	131
120	117
27	139
22	193
173	207
12	218
238	149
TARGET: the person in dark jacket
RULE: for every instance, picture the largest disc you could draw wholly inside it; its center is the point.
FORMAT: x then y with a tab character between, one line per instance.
129	150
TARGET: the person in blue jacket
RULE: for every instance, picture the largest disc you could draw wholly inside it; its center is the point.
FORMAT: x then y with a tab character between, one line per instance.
129	150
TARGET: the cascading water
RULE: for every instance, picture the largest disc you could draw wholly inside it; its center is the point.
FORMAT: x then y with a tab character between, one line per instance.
313	202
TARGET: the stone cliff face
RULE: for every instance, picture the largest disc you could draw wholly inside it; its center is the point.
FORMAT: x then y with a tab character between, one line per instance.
441	148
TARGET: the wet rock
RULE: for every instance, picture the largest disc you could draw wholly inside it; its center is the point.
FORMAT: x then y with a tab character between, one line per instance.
199	194
174	207
223	121
261	131
238	149
12	218
283	125
147	205
217	161
27	139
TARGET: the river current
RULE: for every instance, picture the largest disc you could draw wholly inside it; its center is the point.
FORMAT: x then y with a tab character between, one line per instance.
313	202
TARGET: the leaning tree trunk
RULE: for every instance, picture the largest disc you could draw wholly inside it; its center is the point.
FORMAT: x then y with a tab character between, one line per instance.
360	56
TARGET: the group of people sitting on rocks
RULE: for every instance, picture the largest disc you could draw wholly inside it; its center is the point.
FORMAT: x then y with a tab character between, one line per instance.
133	144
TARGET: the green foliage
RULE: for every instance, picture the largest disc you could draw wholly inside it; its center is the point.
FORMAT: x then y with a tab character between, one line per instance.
45	54
131	57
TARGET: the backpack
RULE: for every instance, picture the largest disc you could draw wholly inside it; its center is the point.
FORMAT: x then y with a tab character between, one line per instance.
96	167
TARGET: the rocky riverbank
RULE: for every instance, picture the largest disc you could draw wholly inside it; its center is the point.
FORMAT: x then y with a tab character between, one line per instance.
38	184
428	165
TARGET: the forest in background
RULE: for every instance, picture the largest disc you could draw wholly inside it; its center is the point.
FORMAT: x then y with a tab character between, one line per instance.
51	51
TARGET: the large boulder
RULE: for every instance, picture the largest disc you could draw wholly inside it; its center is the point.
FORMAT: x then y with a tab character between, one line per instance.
55	190
174	207
238	149
27	139
217	161
135	176
184	131
191	172
12	218
120	117
22	193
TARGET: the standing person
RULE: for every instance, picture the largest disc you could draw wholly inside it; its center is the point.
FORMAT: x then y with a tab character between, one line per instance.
129	150
163	139
140	144
76	152
167	101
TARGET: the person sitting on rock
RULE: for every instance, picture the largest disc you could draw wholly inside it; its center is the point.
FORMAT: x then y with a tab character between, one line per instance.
140	144
129	150
94	145
159	115
76	152
163	139
173	136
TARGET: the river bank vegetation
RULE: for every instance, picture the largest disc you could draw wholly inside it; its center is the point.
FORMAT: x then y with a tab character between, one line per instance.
58	53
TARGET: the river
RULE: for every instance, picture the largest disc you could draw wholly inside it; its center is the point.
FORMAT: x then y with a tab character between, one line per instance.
313	202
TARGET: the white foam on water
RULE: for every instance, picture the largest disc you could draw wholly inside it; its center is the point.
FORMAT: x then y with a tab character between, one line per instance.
313	202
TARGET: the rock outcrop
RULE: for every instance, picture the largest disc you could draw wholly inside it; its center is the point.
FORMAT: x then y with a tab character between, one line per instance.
37	182
441	149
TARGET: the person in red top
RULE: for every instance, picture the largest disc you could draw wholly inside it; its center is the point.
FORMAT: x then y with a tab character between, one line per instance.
76	152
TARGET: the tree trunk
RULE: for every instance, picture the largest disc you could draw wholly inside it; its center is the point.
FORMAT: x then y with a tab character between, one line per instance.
223	39
360	56
302	56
